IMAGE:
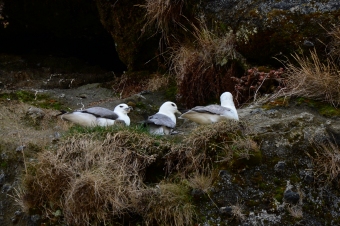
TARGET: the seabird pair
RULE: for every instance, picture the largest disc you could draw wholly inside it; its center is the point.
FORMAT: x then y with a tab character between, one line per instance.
165	121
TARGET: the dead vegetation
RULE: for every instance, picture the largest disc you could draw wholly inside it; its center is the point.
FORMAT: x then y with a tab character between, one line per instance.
201	62
237	211
201	148
326	158
239	148
169	202
334	45
202	181
131	83
295	211
163	15
97	176
313	79
203	68
157	81
89	178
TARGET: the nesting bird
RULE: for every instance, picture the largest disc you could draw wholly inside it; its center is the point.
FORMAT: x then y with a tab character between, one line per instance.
213	113
163	122
99	116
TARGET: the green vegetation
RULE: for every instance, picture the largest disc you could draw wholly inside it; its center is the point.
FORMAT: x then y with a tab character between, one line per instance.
35	99
325	109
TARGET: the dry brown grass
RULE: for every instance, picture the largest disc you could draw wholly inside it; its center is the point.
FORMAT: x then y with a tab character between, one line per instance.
313	79
295	211
163	15
170	205
239	148
334	45
237	211
201	147
92	180
326	160
204	67
157	82
202	181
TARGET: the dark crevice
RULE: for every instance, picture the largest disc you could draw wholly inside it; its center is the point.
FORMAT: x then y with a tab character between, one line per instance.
55	28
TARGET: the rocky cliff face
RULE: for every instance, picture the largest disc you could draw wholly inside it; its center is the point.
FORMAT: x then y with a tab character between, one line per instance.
290	178
269	29
264	29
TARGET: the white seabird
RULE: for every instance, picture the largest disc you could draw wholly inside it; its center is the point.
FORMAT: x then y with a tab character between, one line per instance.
213	113
163	122
99	116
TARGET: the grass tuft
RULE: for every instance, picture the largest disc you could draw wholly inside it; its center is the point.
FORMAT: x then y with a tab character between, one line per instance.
201	147
170	205
334	45
313	79
163	15
203	68
326	160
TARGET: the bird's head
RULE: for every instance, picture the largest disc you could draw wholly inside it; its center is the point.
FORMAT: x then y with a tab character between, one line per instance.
124	108
169	107
227	99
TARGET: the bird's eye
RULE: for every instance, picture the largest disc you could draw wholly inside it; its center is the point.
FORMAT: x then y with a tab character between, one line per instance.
121	106
173	105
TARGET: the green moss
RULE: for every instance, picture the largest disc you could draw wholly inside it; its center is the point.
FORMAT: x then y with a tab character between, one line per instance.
277	181
278	193
239	162
323	108
171	91
3	164
294	178
279	102
36	99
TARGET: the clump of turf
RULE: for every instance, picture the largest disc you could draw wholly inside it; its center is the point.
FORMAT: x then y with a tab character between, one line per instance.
91	178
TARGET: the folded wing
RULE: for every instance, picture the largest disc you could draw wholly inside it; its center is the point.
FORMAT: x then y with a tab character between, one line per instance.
100	112
161	120
212	109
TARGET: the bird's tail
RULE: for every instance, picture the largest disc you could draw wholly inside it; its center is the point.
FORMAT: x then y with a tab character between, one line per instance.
61	113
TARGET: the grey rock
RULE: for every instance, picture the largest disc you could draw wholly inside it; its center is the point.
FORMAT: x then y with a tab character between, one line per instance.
226	210
280	166
20	148
35	112
291	196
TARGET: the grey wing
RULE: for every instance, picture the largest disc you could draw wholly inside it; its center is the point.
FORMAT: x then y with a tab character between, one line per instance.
101	112
161	120
212	109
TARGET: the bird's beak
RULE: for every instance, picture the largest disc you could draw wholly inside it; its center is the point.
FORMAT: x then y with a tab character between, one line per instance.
129	109
178	112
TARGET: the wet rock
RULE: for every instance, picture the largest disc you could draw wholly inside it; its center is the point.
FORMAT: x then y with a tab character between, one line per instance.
197	192
35	218
291	196
55	137
2	178
20	148
82	96
6	188
15	219
223	173
308	43
35	113
226	210
307	176
280	166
